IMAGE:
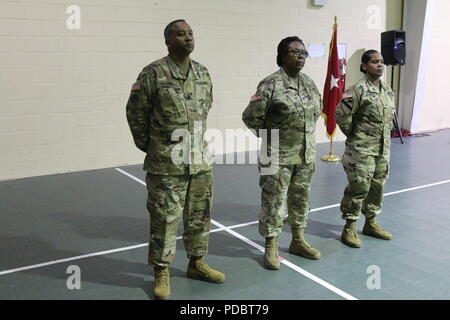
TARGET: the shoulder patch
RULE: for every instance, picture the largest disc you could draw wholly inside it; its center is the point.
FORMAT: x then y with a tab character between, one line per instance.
347	95
255	97
135	86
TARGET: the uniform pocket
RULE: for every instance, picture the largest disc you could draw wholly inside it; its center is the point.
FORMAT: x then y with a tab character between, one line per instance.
277	183
381	171
284	112
202	100
177	101
297	103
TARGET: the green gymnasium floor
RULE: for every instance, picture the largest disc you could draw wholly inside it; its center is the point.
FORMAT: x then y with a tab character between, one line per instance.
97	221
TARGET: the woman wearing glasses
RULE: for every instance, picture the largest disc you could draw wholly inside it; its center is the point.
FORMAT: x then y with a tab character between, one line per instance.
288	102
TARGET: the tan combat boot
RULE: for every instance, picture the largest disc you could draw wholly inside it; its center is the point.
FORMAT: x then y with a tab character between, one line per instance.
300	246
200	270
350	236
161	288
373	229
271	254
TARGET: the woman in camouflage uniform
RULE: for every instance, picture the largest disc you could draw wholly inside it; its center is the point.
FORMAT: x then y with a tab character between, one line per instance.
365	116
288	102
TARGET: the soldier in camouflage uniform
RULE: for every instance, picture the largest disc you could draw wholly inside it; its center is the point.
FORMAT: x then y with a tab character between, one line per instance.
365	116
173	95
287	101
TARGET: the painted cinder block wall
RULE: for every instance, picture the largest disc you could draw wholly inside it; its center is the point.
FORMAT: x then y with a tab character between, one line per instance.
63	92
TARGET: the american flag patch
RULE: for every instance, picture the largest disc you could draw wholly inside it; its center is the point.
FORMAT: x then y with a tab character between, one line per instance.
347	95
255	97
135	86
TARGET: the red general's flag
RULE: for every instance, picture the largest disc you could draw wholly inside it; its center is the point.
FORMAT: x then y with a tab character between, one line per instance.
334	86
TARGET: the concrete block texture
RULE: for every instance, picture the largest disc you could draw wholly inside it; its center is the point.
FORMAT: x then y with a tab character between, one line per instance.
63	89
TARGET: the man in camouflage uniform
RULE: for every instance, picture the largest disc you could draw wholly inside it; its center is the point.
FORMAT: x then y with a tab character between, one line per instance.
171	96
287	101
365	116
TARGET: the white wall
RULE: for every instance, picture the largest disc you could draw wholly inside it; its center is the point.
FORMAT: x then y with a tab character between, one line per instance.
424	94
414	18
63	92
432	112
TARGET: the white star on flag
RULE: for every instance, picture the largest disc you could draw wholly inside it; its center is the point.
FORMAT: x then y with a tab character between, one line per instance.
334	82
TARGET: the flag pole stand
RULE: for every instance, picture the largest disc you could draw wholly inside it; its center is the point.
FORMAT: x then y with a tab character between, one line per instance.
331	157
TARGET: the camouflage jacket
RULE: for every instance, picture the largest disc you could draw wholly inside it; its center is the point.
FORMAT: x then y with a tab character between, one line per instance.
365	116
163	100
293	108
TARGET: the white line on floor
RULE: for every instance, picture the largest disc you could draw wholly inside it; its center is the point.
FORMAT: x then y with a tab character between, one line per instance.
84	256
284	261
34	266
287	263
416	188
222	228
131	176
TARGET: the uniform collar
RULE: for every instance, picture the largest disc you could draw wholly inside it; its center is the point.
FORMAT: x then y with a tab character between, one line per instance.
176	72
287	82
376	88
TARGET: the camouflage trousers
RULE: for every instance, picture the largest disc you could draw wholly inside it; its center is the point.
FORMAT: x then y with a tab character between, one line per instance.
366	176
170	197
291	185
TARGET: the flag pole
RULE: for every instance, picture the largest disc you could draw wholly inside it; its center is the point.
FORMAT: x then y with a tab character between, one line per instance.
331	157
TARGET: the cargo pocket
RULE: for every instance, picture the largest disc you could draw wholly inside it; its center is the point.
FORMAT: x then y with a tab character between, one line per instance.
277	183
382	172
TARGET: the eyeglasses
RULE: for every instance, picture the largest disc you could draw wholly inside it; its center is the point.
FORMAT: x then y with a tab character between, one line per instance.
299	53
